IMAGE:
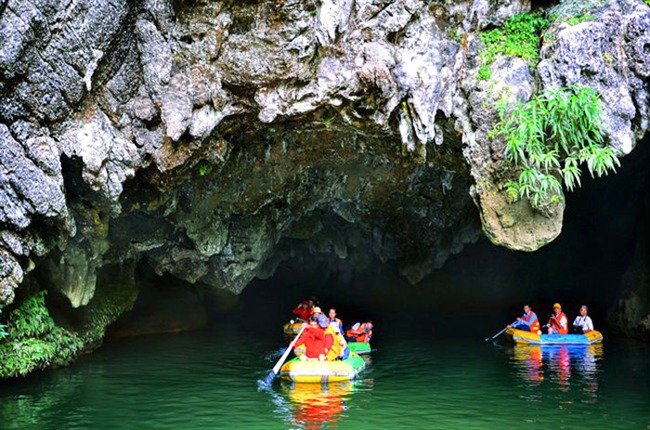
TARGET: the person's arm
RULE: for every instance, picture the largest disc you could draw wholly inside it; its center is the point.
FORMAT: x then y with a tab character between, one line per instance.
590	325
298	310
533	318
300	341
564	321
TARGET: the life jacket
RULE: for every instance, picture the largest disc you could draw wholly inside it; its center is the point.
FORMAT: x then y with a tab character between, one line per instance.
534	327
317	341
338	344
302	313
362	333
556	323
338	322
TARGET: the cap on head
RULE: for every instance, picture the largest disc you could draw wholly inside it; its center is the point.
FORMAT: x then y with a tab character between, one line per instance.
557	305
323	321
317	310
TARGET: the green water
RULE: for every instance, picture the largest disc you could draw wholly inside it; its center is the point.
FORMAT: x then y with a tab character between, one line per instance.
208	380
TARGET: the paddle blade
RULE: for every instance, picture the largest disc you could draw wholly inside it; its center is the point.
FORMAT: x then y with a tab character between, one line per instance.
269	379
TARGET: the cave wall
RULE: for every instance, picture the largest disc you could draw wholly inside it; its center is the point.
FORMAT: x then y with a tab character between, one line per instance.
215	140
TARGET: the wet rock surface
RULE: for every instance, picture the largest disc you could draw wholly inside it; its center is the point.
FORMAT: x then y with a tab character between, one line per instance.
215	140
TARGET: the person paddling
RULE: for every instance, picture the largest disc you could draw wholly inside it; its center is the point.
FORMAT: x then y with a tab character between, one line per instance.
316	340
583	323
558	323
528	321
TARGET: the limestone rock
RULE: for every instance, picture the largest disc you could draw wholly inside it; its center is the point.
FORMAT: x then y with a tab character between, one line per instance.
517	225
216	140
605	54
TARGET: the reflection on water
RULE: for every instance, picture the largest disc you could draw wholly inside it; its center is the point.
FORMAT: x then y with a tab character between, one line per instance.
316	406
562	365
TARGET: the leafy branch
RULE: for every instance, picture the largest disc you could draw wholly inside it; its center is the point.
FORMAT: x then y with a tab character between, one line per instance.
550	137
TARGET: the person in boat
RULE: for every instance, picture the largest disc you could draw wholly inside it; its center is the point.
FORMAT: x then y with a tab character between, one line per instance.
339	349
316	340
316	312
334	320
360	332
558	323
528	321
304	310
583	323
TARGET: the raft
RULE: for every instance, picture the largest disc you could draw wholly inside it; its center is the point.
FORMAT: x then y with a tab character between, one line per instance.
359	347
322	371
291	329
525	337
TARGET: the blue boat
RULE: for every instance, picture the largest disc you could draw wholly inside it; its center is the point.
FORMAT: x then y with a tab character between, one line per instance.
526	337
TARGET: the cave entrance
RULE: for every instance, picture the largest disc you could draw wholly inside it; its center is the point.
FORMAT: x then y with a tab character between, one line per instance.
605	233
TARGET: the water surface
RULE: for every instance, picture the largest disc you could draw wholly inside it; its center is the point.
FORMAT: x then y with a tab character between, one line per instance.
205	380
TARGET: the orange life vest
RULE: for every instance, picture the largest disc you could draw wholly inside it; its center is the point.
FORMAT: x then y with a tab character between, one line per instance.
555	323
362	334
534	327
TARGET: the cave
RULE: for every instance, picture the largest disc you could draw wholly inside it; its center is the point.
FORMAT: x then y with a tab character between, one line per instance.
176	175
605	235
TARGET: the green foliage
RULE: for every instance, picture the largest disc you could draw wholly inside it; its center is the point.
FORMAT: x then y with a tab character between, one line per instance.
484	73
205	168
518	38
647	2
3	328
34	341
578	19
549	138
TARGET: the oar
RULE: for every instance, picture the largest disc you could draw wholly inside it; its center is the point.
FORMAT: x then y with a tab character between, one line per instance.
276	368
498	334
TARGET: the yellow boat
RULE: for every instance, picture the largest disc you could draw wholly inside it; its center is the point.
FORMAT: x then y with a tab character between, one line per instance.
526	337
291	328
313	371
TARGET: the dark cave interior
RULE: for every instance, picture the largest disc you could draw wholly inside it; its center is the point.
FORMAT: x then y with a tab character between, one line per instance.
605	229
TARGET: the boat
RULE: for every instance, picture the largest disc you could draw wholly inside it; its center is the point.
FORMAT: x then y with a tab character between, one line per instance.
526	337
312	371
292	328
359	347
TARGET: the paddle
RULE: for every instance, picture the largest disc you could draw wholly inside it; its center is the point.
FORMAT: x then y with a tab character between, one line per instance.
276	368
498	334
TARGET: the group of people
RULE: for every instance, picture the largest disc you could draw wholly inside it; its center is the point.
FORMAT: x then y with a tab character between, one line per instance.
558	323
322	337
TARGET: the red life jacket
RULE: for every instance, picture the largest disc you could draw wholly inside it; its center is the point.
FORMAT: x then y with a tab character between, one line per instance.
316	341
302	313
556	323
534	327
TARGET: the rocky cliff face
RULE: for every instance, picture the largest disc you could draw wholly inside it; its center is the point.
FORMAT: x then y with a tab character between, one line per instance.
215	140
